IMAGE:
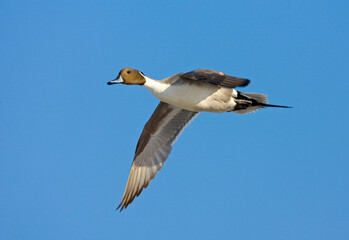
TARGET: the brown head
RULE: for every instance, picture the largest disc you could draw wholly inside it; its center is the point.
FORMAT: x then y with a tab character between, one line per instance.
129	76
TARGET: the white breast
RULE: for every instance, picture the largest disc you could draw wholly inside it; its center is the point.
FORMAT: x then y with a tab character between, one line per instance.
195	97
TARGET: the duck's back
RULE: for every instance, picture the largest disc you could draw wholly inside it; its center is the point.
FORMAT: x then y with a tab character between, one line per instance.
193	95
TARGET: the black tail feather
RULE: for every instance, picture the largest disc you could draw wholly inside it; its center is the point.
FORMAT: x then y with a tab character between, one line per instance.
271	105
250	102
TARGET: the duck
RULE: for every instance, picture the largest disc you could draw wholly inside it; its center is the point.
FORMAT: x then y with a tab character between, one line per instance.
182	97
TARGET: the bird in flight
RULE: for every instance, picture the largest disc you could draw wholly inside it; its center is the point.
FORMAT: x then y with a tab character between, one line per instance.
182	96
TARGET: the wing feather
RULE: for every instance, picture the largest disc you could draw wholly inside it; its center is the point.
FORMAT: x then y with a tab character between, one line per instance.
153	147
216	78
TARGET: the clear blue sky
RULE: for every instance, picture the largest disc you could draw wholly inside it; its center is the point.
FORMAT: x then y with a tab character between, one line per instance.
67	139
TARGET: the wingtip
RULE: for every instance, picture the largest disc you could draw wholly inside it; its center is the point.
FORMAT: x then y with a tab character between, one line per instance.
247	82
244	82
119	207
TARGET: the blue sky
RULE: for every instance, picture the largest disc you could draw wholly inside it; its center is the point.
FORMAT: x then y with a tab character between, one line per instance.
67	139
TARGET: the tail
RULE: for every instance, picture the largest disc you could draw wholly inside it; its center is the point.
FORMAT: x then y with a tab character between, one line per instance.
250	102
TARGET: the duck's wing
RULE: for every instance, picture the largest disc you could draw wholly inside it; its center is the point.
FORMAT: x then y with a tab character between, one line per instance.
216	78
154	146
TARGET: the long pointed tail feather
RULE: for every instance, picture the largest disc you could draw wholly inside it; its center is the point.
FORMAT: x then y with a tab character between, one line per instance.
250	102
272	105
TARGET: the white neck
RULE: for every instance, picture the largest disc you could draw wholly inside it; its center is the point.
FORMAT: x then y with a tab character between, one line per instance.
155	87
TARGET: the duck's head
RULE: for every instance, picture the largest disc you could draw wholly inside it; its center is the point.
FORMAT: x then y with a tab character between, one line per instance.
129	76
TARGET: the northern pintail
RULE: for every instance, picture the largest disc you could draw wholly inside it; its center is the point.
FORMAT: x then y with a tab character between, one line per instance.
182	97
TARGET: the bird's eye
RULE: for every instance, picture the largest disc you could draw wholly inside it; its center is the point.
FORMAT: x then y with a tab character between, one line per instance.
128	72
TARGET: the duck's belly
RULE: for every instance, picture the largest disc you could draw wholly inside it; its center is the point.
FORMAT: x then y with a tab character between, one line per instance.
199	97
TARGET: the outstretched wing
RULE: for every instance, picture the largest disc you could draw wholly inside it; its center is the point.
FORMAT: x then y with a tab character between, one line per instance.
153	147
216	78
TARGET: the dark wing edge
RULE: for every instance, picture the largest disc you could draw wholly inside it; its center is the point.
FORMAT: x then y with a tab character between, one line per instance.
216	78
153	147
